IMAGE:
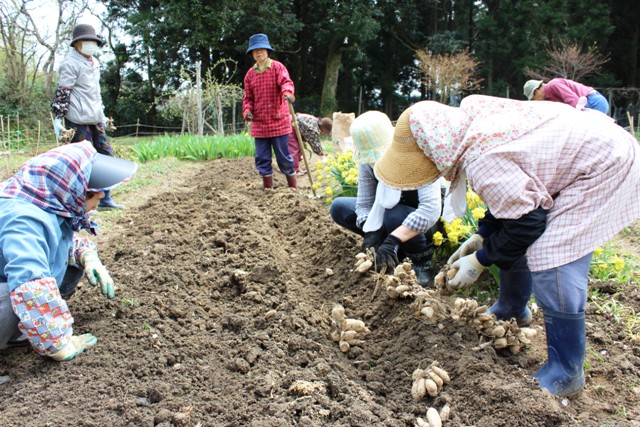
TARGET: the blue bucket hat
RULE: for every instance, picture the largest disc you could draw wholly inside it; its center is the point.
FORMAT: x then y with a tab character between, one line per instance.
259	41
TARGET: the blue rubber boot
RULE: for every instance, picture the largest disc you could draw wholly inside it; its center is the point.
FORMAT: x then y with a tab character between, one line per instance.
107	202
516	285
563	374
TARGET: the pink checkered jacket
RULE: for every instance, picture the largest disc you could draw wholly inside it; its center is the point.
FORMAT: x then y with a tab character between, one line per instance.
263	97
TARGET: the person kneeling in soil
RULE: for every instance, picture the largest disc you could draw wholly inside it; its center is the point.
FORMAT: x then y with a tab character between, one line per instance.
267	87
311	128
42	256
391	221
557	183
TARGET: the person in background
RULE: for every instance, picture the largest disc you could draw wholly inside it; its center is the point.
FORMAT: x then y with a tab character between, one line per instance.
42	255
396	224
564	90
267	87
557	183
311	128
78	101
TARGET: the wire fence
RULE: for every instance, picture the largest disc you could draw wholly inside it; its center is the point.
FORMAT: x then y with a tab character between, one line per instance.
624	107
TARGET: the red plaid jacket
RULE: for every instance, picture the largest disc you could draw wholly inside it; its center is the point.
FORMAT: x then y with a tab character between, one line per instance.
263	98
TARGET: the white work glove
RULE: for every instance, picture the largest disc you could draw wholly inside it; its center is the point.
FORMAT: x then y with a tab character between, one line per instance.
582	103
469	269
97	273
471	245
77	344
58	127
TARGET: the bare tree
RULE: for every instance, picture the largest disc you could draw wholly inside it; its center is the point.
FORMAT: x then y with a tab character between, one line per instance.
66	13
568	60
448	75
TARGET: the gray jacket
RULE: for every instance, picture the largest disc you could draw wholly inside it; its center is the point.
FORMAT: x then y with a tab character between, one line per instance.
83	78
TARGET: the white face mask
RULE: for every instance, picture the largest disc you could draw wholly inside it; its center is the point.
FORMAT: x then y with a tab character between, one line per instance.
89	47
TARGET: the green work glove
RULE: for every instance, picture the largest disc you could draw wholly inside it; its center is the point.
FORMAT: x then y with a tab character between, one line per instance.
77	344
58	127
97	273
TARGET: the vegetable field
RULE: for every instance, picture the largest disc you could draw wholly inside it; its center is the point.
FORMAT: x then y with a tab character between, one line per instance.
223	317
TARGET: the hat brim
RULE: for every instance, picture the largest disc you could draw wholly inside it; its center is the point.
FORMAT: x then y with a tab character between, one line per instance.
108	172
262	46
94	38
405	167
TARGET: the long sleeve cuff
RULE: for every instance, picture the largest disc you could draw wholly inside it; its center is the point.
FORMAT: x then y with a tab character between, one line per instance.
481	254
44	315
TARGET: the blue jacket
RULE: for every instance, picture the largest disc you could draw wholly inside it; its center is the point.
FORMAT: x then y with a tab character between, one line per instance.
34	244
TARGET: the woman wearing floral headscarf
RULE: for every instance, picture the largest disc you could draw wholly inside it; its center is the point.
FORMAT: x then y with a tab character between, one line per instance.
558	183
42	257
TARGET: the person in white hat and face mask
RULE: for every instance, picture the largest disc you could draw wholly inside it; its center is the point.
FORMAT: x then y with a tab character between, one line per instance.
394	223
78	101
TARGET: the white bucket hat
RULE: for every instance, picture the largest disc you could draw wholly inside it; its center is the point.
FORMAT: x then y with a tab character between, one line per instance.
372	133
530	87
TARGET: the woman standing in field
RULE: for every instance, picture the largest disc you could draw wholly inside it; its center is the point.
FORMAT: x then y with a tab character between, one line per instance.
267	87
78	100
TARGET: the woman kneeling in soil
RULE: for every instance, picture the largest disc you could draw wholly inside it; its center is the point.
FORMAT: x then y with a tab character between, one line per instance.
390	221
42	257
557	182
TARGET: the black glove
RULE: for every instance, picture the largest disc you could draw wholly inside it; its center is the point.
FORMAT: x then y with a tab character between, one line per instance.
387	254
372	239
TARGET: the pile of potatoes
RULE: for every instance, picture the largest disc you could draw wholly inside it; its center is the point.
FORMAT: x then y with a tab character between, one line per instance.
430	306
443	277
428	381
501	333
403	283
365	261
347	332
434	418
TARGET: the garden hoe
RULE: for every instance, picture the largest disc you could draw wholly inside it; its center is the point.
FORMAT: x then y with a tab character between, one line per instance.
294	122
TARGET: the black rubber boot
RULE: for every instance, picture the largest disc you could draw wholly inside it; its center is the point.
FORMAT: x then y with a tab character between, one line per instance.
424	267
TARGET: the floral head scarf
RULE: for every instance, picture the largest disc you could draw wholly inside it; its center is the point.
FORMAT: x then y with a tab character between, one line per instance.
453	137
56	182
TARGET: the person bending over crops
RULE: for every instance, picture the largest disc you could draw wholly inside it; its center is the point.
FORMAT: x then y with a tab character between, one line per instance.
311	128
42	256
395	223
564	90
267	86
557	183
78	101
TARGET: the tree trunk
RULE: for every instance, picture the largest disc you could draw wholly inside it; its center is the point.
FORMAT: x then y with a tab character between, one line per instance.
330	86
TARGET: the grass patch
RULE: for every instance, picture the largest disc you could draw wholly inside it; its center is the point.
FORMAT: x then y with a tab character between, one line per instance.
190	147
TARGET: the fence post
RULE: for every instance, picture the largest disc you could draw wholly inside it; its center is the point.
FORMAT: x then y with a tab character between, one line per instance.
137	126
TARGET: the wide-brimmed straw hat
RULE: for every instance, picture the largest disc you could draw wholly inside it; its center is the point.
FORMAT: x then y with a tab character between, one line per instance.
85	32
404	165
372	133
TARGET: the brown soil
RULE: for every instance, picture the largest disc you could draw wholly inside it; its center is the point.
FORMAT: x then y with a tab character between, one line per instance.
191	340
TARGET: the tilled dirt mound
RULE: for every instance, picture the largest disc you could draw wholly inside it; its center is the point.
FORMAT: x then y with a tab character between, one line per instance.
224	303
